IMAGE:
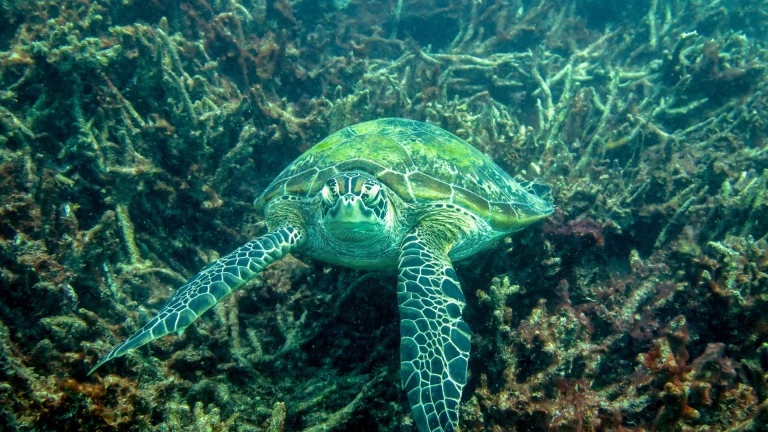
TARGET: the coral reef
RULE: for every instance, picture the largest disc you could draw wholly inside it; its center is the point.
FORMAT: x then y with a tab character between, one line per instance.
133	139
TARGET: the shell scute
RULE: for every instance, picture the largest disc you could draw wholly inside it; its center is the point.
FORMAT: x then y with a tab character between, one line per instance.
299	183
398	183
471	202
420	163
503	216
429	188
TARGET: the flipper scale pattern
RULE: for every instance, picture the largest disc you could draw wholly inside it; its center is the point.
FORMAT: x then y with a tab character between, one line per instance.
209	287
434	340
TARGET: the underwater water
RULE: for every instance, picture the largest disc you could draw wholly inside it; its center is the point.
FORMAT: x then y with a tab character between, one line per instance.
629	139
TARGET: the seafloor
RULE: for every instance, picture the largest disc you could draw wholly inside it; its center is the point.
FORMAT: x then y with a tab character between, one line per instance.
135	135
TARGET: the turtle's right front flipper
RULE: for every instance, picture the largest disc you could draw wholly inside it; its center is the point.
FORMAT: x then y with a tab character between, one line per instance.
209	287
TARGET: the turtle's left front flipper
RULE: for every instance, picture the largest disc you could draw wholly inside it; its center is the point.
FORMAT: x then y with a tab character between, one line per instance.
434	340
209	287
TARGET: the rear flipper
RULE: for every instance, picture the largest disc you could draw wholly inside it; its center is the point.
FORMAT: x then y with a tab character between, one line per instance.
209	287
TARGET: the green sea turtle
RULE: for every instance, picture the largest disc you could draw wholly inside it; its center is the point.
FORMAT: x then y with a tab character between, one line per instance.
384	194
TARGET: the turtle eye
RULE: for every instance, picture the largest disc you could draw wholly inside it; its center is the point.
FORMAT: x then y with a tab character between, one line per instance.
330	192
370	193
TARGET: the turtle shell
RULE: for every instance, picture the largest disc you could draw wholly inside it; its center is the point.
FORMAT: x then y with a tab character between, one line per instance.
422	164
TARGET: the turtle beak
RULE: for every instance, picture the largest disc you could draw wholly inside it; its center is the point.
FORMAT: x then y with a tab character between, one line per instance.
350	213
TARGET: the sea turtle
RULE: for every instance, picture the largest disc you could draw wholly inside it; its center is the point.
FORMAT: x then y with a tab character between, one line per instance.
384	194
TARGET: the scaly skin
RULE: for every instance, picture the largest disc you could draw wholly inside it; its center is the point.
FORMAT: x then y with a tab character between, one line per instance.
434	340
209	287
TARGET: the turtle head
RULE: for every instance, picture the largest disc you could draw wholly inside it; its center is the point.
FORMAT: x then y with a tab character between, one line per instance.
354	206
